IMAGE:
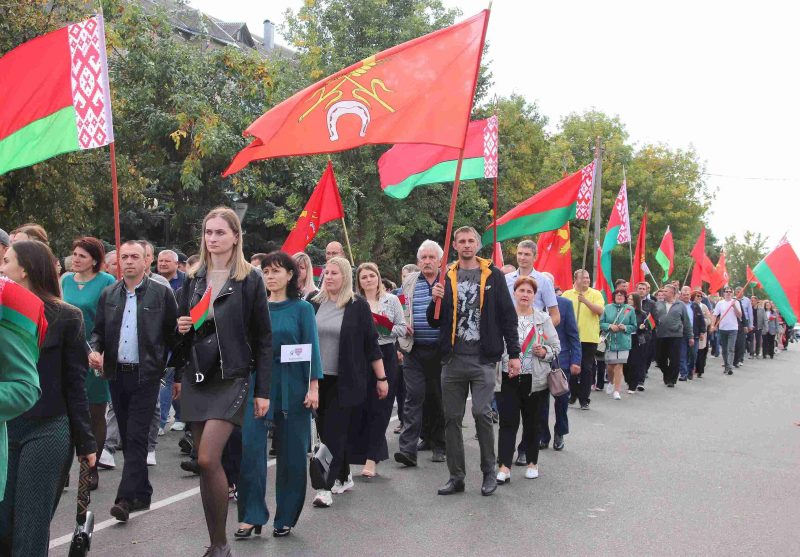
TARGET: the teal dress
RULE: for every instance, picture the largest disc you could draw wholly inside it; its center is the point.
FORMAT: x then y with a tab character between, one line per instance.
85	299
293	322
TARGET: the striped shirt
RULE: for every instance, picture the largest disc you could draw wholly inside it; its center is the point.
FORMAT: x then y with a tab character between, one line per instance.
424	334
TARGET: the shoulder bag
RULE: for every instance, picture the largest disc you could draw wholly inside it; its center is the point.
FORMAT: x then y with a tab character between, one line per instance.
557	380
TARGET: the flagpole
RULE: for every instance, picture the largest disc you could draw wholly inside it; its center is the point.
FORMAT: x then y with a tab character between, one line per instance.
654	278
689	270
347	241
454	194
594	199
115	196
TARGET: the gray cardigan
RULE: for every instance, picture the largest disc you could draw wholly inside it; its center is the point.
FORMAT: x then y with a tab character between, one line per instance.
673	323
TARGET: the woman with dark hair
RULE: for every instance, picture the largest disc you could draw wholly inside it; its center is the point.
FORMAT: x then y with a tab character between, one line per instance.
233	321
369	436
41	440
770	329
82	288
636	365
702	344
618	323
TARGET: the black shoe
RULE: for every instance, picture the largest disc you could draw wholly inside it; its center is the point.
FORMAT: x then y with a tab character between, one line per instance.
243	533
584	406
405	459
489	485
121	511
423	445
455	486
558	442
191	465
573	400
185	445
681	378
438	456
281	532
139	505
671	385
730	372
522	459
495	417
543	445
94	479
273	451
640	388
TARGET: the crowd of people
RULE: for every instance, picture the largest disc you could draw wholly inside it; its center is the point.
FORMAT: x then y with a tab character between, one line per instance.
236	352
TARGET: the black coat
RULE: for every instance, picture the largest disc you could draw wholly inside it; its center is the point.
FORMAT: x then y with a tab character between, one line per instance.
498	318
156	327
358	348
244	332
62	374
698	321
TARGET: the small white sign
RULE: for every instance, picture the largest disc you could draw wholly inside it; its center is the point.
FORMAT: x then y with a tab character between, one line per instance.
295	353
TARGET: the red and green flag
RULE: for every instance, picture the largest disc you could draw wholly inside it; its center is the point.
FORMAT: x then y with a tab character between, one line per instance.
600	280
383	323
403	301
55	95
533	338
318	270
406	166
779	274
419	91
665	256
22	314
751	278
618	231
651	322
549	209
199	312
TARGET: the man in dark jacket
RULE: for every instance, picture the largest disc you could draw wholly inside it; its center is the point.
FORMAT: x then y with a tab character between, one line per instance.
672	328
689	347
649	308
476	316
135	328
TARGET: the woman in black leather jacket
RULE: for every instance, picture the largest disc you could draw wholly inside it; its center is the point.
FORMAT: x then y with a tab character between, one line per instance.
227	334
41	441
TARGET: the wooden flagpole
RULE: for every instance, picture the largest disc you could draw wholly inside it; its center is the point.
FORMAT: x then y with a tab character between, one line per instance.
454	194
689	270
115	196
347	240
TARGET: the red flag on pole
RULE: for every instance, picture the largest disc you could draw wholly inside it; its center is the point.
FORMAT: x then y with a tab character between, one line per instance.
554	255
637	273
719	276
417	92
703	268
751	278
323	206
497	256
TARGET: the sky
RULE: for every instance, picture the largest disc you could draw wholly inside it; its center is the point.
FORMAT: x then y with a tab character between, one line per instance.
719	76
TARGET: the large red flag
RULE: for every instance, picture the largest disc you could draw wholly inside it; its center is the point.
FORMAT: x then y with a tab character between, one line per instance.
637	272
719	276
704	268
779	273
416	92
554	255
323	206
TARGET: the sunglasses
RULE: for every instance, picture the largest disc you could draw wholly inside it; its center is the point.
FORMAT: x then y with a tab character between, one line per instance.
727	291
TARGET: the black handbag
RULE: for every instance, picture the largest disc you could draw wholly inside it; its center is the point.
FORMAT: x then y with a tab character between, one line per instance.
319	466
205	358
82	537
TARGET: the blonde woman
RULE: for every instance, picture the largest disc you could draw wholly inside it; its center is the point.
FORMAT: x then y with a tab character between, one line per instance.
350	353
214	390
305	271
387	312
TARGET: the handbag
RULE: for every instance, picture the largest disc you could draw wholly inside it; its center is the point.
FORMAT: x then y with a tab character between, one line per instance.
82	537
601	345
557	381
205	358
319	466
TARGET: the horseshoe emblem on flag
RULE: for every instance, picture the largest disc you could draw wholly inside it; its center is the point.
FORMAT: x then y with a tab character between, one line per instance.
339	109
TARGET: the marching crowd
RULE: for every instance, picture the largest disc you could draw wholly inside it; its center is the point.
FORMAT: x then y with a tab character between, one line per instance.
234	352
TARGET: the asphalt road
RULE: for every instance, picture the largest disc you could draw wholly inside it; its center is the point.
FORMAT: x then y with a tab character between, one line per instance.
708	468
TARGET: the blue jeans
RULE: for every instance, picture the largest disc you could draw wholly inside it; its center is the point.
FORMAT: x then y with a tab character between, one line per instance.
165	398
727	341
688	355
561	427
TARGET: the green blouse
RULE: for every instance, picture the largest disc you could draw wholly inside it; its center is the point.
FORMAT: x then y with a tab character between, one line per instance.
85	298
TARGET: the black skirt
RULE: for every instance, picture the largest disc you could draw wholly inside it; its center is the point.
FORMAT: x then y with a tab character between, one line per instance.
214	399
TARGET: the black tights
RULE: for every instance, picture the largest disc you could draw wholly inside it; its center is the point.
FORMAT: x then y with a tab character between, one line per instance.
97	414
210	438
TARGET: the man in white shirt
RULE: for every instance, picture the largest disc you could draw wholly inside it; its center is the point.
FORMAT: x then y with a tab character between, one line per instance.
728	312
545	294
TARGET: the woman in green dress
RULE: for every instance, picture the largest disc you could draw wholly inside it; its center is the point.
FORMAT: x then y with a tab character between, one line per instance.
295	390
82	288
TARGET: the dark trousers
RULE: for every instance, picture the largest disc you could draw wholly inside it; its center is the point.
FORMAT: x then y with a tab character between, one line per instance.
134	403
599	374
635	369
669	355
333	424
368	422
232	457
700	363
769	345
400	395
755	346
561	427
738	352
514	396
580	386
422	373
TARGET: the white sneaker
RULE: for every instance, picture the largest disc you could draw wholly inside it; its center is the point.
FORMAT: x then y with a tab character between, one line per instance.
339	487
323	499
178	426
151	458
609	388
617	396
106	460
161	432
531	473
503	477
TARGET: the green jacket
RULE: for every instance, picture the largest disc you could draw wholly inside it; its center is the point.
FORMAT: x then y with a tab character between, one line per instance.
618	341
19	389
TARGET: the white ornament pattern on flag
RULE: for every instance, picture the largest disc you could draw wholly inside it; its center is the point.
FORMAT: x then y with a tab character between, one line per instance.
90	87
585	193
621	206
490	144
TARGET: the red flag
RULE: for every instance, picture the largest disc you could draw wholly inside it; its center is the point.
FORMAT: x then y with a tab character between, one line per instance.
637	273
600	281
554	255
416	92
719	276
697	277
199	312
779	273
751	278
704	268
323	206
497	256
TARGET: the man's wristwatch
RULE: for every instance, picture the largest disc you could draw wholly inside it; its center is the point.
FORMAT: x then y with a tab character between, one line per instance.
384	378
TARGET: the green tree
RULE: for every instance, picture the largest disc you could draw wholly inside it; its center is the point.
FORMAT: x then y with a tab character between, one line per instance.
739	254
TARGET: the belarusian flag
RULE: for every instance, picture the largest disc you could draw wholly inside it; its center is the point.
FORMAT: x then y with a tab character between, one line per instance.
650	321
406	166
549	209
383	323
318	270
199	312
665	256
54	95
419	91
751	278
600	280
554	255
779	273
533	338
22	314
618	231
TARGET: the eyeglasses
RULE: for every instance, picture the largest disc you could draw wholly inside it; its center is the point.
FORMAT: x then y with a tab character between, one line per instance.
727	291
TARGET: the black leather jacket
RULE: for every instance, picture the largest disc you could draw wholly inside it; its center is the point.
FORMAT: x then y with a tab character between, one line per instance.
156	327
241	317
62	374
